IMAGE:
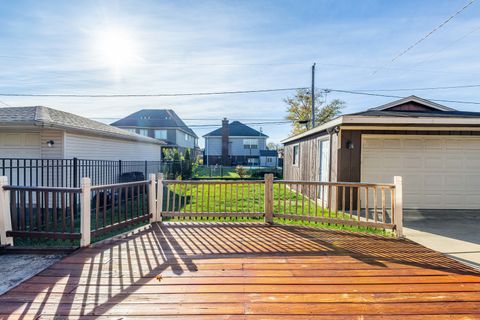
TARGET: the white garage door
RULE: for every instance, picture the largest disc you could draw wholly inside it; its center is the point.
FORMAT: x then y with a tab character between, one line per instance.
19	145
439	172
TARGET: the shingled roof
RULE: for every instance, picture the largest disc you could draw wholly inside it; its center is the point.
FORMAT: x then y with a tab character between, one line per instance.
154	118
237	129
48	117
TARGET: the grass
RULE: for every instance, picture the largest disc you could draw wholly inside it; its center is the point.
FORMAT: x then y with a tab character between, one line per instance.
127	212
223	198
211	172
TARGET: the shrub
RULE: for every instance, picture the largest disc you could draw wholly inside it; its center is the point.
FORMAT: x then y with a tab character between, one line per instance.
241	171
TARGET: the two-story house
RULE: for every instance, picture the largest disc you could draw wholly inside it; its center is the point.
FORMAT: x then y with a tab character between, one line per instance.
234	144
162	124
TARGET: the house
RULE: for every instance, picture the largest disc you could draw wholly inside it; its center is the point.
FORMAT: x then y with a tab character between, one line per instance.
46	133
436	149
269	158
162	124
234	144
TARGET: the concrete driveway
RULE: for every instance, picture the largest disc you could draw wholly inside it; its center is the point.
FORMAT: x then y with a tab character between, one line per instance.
455	233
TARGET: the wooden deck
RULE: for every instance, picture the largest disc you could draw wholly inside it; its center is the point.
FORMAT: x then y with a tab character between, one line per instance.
249	271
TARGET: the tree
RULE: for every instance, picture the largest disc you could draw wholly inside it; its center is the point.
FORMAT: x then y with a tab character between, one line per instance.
300	110
273	146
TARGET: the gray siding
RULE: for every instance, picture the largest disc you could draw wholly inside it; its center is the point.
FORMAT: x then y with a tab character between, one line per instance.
213	146
181	142
308	168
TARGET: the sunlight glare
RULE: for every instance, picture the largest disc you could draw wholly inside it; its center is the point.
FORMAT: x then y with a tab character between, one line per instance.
116	48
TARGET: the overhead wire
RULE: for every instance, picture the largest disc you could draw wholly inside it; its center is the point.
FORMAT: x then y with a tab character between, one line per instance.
402	53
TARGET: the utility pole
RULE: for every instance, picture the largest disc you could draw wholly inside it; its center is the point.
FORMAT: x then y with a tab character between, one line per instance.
313	97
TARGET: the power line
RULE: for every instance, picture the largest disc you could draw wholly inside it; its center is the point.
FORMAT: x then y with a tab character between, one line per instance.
420	89
428	34
401	97
148	95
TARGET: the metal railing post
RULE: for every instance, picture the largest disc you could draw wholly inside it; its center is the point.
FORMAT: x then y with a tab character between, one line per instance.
159	208
398	209
5	215
268	200
151	198
85	212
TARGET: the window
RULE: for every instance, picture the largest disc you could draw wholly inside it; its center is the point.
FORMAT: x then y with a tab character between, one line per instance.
250	143
252	161
143	132
160	134
186	137
295	155
132	130
269	160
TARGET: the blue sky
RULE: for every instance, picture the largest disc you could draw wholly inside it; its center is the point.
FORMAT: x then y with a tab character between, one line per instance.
195	46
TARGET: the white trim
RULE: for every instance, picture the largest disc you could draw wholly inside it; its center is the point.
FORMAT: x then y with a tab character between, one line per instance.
370	120
325	126
416	99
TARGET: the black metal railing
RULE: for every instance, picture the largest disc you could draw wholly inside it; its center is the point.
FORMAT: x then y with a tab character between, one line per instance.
66	173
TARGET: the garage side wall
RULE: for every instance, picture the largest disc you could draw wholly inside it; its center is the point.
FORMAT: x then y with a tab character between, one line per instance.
90	147
308	168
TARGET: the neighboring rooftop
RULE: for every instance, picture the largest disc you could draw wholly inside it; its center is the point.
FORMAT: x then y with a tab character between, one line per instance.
237	129
48	117
154	118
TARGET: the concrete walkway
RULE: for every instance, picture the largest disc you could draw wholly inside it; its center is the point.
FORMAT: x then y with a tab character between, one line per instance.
16	268
455	233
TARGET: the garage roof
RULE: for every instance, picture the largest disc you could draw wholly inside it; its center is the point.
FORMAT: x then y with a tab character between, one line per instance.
48	117
392	113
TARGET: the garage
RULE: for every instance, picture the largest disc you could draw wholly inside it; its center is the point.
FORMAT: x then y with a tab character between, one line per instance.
19	145
439	171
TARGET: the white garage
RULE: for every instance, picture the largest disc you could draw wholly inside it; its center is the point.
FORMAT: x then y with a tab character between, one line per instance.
19	145
439	172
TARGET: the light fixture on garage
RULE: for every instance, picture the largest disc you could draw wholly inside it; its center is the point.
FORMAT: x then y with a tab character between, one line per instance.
50	143
349	145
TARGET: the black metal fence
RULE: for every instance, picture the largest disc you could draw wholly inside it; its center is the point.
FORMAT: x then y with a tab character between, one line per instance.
67	173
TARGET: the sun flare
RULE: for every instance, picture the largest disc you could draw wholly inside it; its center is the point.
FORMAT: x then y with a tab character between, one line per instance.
116	48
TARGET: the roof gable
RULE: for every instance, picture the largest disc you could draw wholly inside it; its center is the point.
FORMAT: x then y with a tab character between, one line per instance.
237	129
413	103
154	118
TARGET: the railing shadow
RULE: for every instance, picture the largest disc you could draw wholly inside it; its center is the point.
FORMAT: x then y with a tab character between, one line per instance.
93	280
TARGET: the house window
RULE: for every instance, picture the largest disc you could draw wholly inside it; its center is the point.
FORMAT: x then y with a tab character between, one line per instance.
252	161
143	132
296	155
269	160
186	137
131	130
160	134
250	143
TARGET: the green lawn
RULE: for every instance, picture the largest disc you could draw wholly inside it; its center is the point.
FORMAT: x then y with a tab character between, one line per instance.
235	198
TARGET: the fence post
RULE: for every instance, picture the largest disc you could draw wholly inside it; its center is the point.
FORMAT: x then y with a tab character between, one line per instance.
159	196
85	212
268	201
5	216
119	170
151	197
398	211
75	172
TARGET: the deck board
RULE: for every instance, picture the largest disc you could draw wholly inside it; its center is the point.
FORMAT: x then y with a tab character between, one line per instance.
249	271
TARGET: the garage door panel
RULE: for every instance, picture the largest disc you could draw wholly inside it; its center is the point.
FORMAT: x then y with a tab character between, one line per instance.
438	171
19	145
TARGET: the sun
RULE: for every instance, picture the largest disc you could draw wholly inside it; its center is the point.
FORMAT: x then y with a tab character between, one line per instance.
116	48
